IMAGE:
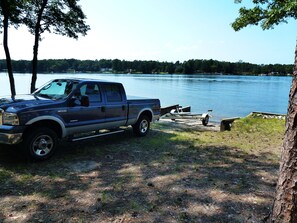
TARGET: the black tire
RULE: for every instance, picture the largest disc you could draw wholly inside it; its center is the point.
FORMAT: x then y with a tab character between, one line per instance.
40	144
142	126
205	120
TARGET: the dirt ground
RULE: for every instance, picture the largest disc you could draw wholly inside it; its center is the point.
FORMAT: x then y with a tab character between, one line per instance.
171	175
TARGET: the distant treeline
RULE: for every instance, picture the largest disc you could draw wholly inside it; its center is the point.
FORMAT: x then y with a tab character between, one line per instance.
148	67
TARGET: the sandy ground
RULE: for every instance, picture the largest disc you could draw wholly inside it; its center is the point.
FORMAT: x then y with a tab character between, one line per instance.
123	179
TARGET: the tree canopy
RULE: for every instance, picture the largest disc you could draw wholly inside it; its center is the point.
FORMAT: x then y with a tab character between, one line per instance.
62	17
266	13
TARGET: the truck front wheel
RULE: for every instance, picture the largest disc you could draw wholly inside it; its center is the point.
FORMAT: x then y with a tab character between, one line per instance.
142	126
41	143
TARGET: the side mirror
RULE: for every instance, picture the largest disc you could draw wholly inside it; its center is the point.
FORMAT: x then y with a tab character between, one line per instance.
74	102
84	101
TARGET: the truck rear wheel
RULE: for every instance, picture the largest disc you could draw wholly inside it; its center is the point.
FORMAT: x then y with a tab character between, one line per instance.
142	126
41	143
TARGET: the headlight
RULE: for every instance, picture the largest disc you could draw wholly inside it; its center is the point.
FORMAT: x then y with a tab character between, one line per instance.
10	119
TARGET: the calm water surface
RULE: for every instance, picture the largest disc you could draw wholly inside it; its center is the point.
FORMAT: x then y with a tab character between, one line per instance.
227	96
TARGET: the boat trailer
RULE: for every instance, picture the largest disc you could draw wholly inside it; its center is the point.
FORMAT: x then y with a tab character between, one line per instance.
180	112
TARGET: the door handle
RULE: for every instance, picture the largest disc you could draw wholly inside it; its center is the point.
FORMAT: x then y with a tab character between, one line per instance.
123	107
103	109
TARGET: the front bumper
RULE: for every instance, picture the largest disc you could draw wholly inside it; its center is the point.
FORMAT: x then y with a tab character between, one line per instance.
10	134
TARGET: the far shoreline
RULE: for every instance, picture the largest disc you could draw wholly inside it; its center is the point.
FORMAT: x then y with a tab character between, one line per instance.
162	73
116	66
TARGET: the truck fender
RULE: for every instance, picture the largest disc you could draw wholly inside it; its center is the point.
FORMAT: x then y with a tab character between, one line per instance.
145	110
46	118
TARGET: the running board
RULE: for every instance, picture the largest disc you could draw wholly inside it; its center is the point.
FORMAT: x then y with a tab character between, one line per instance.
97	135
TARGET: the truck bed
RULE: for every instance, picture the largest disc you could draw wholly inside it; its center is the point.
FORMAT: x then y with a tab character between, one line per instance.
137	104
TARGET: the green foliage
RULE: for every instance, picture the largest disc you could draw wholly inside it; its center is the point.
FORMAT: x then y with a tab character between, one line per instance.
13	9
266	13
63	17
149	67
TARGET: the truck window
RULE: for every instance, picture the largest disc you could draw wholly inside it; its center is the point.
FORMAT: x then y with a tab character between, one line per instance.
113	93
56	89
92	91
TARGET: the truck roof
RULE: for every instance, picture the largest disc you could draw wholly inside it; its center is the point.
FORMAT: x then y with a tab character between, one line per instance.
81	80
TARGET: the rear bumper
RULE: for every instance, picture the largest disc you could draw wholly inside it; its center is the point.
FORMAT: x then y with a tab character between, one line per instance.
10	134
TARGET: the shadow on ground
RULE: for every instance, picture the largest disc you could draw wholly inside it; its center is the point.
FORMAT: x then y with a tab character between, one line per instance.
160	178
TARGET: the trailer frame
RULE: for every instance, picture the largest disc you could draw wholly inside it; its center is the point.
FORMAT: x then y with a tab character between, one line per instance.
179	113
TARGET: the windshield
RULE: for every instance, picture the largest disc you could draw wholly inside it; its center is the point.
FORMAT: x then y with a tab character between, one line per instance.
56	89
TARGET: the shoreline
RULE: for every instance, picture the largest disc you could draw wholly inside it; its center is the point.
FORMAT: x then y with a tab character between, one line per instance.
161	73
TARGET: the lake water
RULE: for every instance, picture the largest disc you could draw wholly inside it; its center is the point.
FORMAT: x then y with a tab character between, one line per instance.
227	96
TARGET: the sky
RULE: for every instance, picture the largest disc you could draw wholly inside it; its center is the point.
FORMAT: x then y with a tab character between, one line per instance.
162	30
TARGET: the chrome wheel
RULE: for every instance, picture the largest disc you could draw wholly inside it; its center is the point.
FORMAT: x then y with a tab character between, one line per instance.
144	125
43	145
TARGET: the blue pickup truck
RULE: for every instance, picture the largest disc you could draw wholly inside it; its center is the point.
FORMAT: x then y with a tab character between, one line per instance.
72	109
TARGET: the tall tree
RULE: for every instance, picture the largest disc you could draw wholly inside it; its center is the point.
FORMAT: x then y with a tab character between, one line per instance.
10	11
268	13
63	17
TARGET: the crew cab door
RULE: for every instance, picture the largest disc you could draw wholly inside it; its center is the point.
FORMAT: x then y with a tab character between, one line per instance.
115	105
86	117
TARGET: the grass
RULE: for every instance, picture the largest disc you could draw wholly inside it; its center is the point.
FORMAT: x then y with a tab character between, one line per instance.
106	197
252	135
4	175
171	175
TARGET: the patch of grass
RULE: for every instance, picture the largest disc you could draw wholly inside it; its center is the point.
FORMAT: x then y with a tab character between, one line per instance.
187	137
106	197
251	135
121	182
25	178
4	175
135	206
158	142
259	125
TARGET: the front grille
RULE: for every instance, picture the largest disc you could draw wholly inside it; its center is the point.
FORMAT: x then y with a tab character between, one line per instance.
1	114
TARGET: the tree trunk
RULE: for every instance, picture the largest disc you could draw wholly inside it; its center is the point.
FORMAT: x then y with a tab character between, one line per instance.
5	9
35	63
285	203
36	45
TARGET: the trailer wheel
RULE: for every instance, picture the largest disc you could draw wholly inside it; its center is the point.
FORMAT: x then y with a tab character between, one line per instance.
142	126
41	143
205	120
